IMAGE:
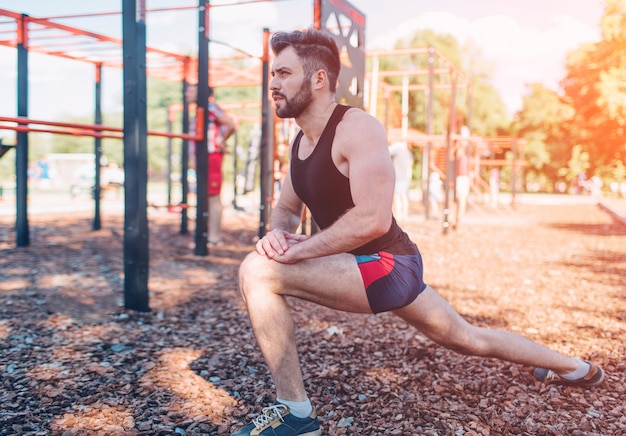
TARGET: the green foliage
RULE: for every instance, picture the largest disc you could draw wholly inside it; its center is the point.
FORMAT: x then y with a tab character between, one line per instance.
594	85
614	171
536	153
112	149
489	117
583	129
578	164
488	113
545	122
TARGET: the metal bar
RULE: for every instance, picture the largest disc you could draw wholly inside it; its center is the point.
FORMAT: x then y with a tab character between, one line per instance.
26	120
399	51
450	184
202	159
422	87
416	72
24	128
266	152
97	145
429	131
184	154
136	249
22	152
513	174
86	129
168	123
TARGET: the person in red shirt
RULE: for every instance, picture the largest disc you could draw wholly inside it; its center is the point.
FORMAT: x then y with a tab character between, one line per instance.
220	127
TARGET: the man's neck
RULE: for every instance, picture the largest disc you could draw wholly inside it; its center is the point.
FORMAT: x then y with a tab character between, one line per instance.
314	120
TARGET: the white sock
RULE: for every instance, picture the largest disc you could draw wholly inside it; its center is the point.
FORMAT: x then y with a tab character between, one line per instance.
299	409
580	372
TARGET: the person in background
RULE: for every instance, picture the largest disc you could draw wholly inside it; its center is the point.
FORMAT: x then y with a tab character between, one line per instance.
220	127
434	192
402	160
462	182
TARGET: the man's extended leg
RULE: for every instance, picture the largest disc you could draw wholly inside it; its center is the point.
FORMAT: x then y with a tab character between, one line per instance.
432	315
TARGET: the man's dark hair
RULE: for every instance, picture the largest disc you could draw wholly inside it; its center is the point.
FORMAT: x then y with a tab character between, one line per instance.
316	49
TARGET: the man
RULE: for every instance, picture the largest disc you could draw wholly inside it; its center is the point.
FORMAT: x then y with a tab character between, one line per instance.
360	261
220	128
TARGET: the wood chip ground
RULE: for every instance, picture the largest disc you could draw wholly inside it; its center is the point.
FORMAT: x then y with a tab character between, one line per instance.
73	361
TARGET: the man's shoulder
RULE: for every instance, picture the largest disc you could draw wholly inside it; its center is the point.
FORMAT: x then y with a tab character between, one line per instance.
357	114
358	122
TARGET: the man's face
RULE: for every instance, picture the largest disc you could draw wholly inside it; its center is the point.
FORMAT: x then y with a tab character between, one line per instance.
290	90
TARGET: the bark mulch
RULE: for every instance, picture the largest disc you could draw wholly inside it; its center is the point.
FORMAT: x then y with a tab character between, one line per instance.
73	361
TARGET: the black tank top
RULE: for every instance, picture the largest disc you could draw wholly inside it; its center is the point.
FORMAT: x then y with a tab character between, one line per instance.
326	192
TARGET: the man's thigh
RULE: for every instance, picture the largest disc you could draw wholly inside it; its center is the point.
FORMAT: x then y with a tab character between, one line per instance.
332	281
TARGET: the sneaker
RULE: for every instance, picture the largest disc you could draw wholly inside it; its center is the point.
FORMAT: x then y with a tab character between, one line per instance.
276	420
594	377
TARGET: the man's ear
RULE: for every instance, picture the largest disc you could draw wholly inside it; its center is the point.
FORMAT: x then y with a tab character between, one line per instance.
319	79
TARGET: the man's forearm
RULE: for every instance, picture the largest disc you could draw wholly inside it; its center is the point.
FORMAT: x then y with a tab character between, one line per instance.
284	219
347	233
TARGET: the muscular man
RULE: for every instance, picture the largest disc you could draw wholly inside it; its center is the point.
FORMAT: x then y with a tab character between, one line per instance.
361	261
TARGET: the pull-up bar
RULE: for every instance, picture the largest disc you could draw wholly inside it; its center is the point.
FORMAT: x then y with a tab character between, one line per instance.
94	130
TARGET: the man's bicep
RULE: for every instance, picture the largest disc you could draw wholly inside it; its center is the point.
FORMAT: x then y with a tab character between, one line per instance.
370	168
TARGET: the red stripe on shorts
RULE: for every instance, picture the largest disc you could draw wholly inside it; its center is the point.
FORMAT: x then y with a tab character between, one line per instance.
375	269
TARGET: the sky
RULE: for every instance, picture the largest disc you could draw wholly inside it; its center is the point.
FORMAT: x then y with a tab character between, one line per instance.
525	41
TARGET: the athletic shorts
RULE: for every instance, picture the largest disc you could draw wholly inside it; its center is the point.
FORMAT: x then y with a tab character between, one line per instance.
391	281
215	173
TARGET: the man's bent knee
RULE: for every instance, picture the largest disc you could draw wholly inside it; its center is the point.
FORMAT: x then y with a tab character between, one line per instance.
253	272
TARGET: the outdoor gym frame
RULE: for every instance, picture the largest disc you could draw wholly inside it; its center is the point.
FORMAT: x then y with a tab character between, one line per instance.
138	62
442	74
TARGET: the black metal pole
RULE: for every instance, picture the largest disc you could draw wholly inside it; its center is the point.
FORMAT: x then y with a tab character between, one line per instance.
513	172
21	151
97	191
267	136
427	155
184	158
136	250
235	164
450	159
202	158
169	158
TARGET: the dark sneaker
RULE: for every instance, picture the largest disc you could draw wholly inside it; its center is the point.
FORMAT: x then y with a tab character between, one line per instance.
277	421
594	377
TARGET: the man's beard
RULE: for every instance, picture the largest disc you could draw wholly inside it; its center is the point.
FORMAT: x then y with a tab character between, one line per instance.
294	107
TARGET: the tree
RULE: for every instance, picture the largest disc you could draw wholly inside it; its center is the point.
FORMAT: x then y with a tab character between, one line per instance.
594	84
582	128
578	164
545	121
